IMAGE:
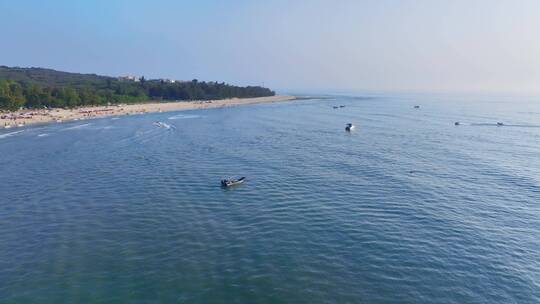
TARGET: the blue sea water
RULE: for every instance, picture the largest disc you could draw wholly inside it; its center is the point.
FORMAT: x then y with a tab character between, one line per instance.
408	208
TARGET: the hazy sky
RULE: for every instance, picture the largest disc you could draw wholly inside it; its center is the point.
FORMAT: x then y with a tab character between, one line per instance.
419	45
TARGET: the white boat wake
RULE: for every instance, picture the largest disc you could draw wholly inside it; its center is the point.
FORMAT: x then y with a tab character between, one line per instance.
163	125
10	134
183	116
76	127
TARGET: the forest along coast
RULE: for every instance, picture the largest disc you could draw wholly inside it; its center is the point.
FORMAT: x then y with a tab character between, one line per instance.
34	95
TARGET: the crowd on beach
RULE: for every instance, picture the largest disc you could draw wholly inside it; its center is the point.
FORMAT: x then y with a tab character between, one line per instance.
19	119
22	117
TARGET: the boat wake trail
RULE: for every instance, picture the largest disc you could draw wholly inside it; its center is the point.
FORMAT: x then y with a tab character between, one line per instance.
163	125
76	127
10	134
159	130
503	125
183	116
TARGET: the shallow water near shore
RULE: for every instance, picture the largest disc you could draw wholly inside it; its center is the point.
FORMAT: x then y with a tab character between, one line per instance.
408	208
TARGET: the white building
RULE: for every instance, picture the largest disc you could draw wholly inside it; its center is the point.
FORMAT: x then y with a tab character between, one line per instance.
128	78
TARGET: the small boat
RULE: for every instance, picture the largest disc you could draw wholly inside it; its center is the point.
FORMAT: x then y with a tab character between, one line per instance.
349	127
342	106
456	123
20	125
335	107
7	127
58	120
232	182
417	107
162	125
500	124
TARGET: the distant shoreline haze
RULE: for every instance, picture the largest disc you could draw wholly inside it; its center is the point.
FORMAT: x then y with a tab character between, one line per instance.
39	88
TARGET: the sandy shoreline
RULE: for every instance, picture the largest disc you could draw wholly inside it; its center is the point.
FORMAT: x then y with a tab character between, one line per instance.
29	117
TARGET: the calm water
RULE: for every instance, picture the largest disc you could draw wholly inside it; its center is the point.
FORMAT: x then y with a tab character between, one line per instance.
407	209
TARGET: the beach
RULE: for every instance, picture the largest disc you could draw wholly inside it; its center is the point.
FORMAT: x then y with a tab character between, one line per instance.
30	116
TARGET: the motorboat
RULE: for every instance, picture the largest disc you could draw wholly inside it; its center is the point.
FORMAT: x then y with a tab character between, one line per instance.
417	107
500	124
456	123
349	127
162	125
232	182
335	107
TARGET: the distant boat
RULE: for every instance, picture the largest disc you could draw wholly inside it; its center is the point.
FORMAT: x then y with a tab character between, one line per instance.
335	107
349	127
58	120
500	124
456	123
20	125
7	126
232	182
162	125
342	106
417	107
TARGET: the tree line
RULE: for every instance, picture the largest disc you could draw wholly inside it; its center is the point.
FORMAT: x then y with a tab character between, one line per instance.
50	89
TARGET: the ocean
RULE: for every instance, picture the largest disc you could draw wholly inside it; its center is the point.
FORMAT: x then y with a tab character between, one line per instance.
407	208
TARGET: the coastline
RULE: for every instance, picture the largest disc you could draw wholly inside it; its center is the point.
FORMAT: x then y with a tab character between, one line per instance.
42	116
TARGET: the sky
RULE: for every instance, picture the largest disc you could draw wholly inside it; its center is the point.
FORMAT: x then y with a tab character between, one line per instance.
311	45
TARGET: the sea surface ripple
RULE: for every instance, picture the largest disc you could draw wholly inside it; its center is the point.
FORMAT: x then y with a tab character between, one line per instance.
407	208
